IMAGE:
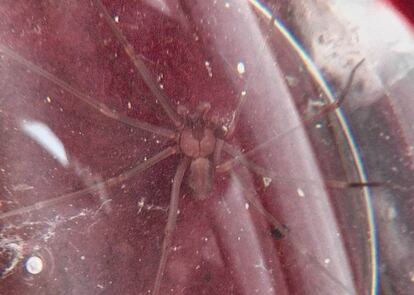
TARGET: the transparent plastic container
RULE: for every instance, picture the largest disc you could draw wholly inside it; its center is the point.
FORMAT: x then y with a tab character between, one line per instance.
302	197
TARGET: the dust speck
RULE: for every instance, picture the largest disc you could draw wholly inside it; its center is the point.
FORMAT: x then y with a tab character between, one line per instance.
241	69
301	193
208	67
292	81
391	213
266	181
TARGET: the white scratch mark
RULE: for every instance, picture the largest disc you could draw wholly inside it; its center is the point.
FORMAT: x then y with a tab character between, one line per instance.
22	187
208	67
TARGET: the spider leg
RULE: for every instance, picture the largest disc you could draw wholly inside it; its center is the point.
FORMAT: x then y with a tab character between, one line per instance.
172	220
334	105
102	108
218	151
243	95
142	68
239	157
109	182
280	231
322	113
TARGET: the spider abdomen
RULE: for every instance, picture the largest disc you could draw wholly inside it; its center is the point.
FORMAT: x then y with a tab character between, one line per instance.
200	178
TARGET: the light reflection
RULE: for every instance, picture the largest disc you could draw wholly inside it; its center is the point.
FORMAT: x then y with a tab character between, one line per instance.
160	5
47	139
314	71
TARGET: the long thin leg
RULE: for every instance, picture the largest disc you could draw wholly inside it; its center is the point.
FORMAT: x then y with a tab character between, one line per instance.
257	169
278	229
109	182
142	68
281	231
102	108
334	105
322	112
242	98
172	220
218	151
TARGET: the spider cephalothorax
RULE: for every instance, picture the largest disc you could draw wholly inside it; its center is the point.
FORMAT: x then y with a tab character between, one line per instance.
197	140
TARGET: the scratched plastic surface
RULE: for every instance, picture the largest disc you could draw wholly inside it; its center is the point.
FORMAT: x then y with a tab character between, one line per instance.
108	241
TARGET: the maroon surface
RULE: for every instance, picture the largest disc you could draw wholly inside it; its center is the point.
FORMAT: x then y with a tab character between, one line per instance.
406	8
109	241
